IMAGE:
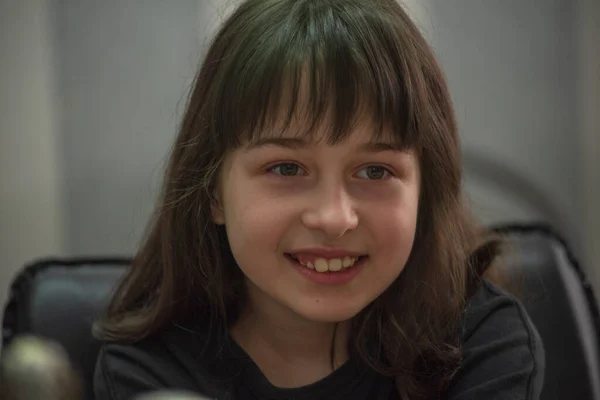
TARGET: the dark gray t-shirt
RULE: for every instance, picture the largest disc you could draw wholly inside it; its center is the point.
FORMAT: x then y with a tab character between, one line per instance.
503	358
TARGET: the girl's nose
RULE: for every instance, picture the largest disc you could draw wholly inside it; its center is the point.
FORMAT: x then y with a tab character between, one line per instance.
331	212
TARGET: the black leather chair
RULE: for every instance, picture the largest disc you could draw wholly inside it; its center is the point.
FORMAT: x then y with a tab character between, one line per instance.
59	299
552	285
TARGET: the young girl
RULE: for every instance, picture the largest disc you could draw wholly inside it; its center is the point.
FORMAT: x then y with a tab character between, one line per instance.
311	240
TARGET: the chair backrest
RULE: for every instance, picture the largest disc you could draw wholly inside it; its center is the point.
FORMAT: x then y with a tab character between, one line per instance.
561	303
59	300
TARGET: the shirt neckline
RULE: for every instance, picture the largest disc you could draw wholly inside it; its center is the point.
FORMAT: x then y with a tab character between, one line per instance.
338	384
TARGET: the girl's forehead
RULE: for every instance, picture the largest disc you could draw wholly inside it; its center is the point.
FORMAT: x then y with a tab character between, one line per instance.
361	131
362	138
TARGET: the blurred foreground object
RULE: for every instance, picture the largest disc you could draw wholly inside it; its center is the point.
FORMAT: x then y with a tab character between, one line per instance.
34	369
171	395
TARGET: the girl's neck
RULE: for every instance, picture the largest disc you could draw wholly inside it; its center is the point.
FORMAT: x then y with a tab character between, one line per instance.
289	350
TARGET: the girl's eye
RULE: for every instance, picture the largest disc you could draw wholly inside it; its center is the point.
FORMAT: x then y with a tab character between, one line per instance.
287	169
374	172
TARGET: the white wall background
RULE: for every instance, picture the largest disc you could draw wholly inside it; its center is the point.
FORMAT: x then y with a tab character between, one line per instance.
123	71
512	70
90	94
32	208
588	89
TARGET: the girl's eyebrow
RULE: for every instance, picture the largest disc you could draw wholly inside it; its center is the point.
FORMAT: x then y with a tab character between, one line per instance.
299	143
290	143
377	147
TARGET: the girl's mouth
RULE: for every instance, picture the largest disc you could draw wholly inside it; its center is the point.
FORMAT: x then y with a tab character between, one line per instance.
323	265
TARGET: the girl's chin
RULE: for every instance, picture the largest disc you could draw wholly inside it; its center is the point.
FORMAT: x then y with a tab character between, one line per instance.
318	313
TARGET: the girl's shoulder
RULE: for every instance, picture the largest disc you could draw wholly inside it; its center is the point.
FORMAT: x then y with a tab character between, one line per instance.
492	306
176	358
503	354
503	357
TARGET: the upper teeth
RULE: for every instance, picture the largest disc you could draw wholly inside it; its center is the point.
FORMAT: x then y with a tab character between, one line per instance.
332	264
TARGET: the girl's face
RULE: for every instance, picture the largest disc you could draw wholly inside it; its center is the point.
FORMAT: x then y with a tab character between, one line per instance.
319	230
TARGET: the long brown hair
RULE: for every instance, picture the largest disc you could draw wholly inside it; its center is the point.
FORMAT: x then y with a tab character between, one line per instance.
345	56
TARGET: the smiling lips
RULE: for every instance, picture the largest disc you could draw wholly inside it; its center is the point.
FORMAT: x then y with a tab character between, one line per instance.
324	261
